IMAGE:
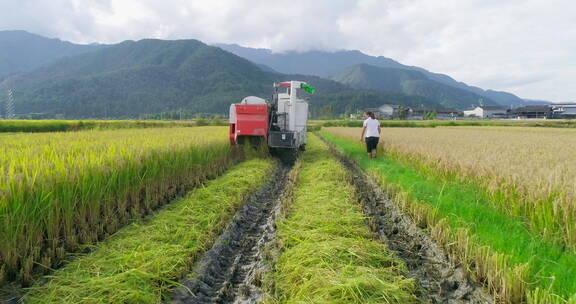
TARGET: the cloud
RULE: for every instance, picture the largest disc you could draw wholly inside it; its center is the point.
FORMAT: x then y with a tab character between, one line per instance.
524	46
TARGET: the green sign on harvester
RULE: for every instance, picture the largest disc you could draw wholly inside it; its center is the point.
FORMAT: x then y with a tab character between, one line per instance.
308	88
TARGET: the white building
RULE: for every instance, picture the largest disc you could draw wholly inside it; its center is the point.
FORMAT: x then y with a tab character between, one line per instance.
564	110
486	112
386	111
389	111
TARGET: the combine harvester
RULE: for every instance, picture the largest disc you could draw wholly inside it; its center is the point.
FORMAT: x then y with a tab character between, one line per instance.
280	123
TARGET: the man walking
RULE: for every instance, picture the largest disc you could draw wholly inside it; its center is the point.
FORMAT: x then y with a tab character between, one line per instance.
371	133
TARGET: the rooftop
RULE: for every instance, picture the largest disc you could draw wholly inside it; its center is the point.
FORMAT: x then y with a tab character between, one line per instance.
492	108
532	109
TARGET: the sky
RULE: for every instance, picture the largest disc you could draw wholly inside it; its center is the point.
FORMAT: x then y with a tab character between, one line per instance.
527	47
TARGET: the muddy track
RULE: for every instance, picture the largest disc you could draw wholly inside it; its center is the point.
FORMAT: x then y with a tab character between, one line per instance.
441	280
231	271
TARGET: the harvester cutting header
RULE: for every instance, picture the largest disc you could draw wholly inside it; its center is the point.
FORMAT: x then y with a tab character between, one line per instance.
281	122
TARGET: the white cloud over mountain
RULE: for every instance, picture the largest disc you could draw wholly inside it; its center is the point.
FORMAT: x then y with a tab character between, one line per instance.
527	47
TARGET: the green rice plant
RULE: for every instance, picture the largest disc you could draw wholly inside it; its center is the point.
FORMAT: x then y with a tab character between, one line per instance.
145	259
513	263
328	255
77	125
59	191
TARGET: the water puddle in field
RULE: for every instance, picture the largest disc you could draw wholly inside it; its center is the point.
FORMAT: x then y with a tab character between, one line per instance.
231	271
441	280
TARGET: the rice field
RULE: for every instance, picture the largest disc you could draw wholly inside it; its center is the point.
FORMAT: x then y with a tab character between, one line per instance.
550	123
144	260
78	125
60	191
500	200
528	172
91	189
152	215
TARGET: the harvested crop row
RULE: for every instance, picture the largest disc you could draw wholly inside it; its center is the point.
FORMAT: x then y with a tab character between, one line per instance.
143	260
61	190
513	264
328	255
231	271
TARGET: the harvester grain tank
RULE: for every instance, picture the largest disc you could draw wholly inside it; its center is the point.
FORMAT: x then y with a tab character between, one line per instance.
280	123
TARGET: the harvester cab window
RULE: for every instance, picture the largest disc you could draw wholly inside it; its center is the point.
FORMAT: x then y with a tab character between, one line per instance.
301	94
282	90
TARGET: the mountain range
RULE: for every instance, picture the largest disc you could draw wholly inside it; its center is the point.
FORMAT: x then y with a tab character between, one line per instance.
410	82
328	64
21	51
150	76
57	78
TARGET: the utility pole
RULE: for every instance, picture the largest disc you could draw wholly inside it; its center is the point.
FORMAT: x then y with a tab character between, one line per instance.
10	104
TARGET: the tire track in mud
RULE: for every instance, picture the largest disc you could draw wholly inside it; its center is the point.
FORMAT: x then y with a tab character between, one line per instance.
231	271
441	279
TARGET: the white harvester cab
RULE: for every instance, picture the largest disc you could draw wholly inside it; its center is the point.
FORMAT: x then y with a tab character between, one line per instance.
289	116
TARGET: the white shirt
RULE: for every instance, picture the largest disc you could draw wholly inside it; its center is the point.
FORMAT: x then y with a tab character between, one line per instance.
371	126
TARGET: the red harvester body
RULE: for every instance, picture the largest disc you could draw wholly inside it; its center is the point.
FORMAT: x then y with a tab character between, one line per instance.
251	121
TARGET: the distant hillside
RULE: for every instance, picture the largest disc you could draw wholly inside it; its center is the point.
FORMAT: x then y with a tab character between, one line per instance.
410	82
21	51
327	64
132	78
323	64
151	76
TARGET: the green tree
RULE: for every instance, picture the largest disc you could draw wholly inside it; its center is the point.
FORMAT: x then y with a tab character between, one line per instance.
327	112
430	115
402	113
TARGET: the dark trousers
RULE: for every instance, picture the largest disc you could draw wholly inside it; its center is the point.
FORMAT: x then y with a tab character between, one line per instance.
371	143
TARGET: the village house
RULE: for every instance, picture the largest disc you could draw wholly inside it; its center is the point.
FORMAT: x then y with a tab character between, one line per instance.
376	112
531	112
386	111
563	111
419	113
486	112
390	111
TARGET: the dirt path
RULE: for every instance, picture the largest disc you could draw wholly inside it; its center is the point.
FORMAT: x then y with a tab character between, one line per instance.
441	280
230	272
